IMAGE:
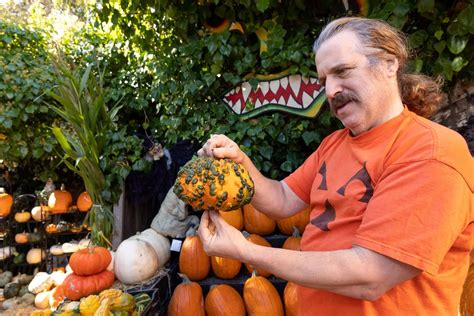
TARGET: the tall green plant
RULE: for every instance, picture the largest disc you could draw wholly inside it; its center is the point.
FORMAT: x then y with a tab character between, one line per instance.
80	95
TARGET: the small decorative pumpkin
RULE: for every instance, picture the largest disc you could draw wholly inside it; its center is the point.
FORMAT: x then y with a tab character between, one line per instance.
84	202
6	202
40	213
84	243
70	247
225	268
187	299
21	238
255	222
214	184
300	220
125	302
60	200
42	300
41	282
76	228
79	286
193	261
135	260
160	244
63	226
256	239
89	305
261	297
51	229
290	298
224	300
293	242
58	277
234	218
56	250
22	217
35	255
90	261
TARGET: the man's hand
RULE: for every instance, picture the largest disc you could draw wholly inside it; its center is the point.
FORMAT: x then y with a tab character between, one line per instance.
219	238
220	146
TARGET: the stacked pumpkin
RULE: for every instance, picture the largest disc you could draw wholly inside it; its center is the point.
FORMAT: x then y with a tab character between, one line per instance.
90	275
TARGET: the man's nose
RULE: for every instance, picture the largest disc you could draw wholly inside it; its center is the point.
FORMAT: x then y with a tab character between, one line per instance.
332	87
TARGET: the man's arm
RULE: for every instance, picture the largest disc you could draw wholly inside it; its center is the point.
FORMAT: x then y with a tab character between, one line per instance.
357	272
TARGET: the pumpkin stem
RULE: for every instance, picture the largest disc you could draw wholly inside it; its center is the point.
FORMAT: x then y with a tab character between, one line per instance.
254	273
185	278
296	232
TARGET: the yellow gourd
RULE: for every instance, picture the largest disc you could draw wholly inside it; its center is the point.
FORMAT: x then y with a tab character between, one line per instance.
89	305
110	294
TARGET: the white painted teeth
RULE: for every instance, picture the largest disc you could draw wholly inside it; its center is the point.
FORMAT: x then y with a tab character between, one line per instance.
284	82
264	86
237	108
246	89
307	99
274	85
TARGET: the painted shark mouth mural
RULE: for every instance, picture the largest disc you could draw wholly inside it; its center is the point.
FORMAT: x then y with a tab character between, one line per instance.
288	93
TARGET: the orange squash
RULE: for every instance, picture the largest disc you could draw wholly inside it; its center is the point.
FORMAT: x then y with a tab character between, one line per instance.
193	261
255	222
22	217
214	184
84	202
78	286
293	242
300	220
224	300
89	261
256	239
234	218
6	202
60	200
261	297
21	238
187	299
225	268
290	299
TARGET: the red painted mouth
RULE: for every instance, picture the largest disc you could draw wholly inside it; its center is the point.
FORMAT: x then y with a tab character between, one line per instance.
294	91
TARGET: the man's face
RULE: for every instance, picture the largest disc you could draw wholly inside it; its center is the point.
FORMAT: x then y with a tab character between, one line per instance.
356	90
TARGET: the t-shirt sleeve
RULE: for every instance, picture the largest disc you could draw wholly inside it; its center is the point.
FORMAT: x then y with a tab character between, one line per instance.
416	214
301	180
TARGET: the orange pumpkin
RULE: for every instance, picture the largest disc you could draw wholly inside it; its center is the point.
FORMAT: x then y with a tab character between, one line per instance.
300	220
51	228
290	299
187	299
60	200
22	217
293	242
256	222
57	296
256	239
224	300
193	261
261	297
225	268
78	286
234	218
6	202
89	261
84	202
21	238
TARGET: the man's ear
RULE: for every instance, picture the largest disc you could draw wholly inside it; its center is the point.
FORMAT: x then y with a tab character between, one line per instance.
392	65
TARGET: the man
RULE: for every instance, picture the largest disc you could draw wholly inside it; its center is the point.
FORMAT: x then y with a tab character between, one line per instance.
391	194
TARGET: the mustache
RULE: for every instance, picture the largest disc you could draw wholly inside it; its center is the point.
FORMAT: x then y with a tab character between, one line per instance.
342	98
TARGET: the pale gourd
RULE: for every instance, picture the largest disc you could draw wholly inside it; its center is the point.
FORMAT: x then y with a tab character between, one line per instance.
41	282
58	277
84	243
40	213
56	250
6	252
160	244
35	255
135	260
42	300
70	247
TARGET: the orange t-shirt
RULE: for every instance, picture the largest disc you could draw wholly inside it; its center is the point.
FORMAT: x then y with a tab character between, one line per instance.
403	189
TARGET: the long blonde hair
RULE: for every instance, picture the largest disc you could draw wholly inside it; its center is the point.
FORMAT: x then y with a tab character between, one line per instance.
422	94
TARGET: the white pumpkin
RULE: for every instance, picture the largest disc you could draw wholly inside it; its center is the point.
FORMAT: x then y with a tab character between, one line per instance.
42	300
40	213
41	282
135	261
56	250
6	252
160	244
70	247
35	255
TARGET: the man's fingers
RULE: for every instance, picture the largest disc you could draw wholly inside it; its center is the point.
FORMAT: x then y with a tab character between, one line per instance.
203	230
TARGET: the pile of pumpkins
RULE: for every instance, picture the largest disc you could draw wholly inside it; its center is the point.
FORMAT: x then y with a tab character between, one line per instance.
196	265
